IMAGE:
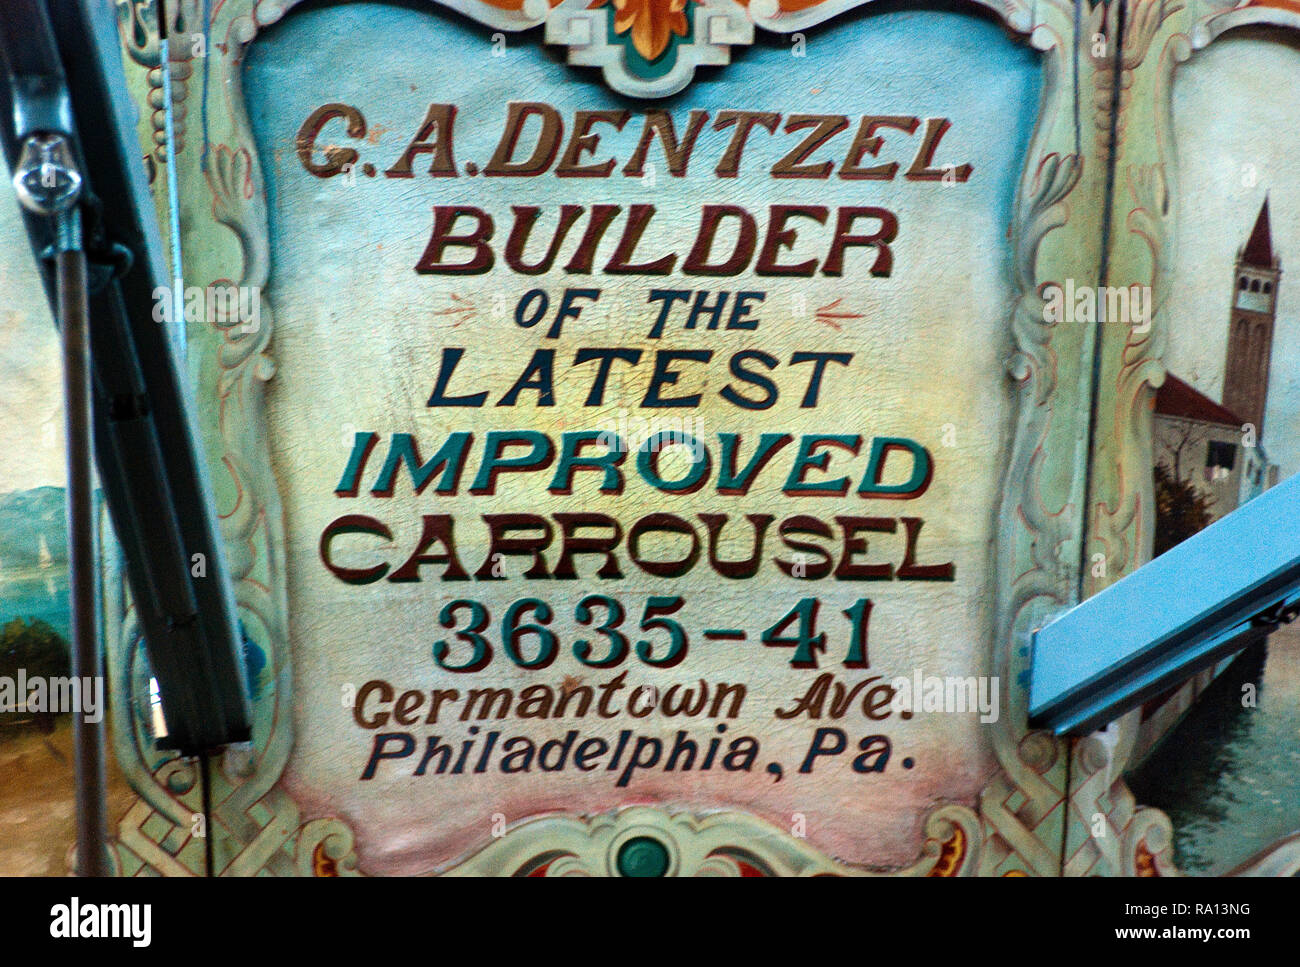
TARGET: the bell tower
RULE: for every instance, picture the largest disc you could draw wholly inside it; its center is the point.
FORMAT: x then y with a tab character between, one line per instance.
1250	327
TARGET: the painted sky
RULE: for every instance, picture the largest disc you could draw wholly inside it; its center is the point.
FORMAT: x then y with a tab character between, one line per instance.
1237	139
31	412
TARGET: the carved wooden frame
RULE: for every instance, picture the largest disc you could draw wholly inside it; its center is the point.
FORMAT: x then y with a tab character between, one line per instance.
1018	826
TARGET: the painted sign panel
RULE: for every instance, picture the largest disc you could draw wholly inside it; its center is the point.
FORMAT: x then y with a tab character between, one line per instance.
616	462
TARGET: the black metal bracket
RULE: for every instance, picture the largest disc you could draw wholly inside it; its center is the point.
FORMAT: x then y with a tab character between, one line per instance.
70	79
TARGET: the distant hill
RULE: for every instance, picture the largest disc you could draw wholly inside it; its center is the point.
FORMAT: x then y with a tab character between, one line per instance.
26	516
34	585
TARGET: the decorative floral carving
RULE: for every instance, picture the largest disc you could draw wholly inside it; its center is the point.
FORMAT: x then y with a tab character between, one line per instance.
715	844
138	28
650	22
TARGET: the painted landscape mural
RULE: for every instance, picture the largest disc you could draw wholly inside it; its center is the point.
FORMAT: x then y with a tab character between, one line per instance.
1227	426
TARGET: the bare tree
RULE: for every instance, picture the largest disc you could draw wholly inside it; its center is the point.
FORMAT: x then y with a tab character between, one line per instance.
1182	435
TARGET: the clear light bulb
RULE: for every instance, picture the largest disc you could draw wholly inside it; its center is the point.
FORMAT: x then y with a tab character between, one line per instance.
45	178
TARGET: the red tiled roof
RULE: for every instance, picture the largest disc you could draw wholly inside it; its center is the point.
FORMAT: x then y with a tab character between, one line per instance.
1176	398
1259	249
1292	5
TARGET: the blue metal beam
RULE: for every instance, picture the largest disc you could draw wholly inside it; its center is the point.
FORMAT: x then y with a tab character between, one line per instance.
1210	596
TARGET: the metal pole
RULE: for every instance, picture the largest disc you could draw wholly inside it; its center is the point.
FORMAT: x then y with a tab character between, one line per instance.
48	183
88	737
